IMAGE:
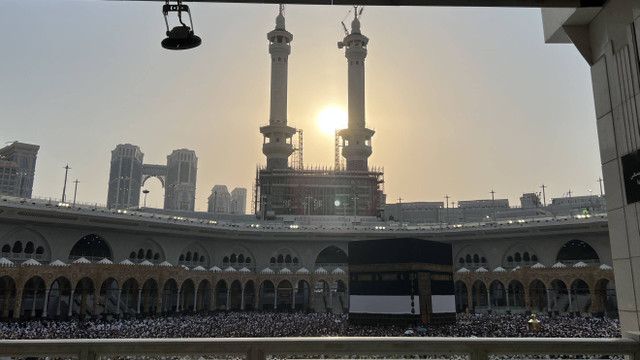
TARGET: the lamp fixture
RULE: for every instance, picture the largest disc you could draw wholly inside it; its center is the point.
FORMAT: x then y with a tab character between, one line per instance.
180	37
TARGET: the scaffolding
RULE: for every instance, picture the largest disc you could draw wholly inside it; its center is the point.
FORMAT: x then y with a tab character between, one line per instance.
337	160
297	161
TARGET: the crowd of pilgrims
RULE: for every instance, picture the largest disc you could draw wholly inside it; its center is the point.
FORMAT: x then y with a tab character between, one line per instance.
274	324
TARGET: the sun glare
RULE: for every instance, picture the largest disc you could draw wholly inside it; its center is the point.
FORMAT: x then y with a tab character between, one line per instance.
332	118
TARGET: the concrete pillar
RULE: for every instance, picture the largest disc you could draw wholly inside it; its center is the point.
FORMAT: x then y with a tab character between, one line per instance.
608	40
228	298
506	291
139	300
212	299
160	302
46	304
470	299
549	300
489	299
178	302
570	308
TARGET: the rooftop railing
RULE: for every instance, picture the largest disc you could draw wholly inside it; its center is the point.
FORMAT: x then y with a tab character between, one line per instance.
331	347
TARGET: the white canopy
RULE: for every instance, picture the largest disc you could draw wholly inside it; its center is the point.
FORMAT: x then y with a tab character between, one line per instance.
538	266
558	265
481	269
31	262
338	271
82	260
105	261
267	271
303	271
285	271
55	263
165	263
321	271
5	262
146	263
126	262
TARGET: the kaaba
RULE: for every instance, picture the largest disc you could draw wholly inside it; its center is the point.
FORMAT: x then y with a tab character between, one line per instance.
401	281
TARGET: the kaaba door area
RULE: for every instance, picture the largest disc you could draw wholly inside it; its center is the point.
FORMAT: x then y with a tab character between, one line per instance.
400	281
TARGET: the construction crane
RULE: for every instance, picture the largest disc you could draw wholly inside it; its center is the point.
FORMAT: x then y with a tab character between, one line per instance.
357	10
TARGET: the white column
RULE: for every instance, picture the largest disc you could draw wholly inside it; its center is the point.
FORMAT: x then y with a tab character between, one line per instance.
275	299
548	300
46	303
71	302
293	298
33	303
195	300
118	302
489	300
242	299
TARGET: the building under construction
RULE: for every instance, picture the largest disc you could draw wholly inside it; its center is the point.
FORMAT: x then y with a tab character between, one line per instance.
282	189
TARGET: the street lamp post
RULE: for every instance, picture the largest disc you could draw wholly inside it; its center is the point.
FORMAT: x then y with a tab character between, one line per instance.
75	191
64	187
145	192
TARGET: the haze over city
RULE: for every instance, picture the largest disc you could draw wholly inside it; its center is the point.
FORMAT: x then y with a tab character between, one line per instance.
463	101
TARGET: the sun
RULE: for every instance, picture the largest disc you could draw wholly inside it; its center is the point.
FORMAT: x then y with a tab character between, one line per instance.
332	118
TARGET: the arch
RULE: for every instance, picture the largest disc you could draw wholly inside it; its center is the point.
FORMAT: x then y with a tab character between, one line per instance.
605	301
497	294
28	240
559	296
515	295
92	247
321	291
187	296
249	295
284	295
110	297
170	296
462	296
151	251
203	295
580	297
33	297
331	256
538	299
577	250
243	257
8	292
150	296
479	296
518	254
235	295
476	259
338	297
302	293
59	298
221	295
129	297
82	299
192	253
266	295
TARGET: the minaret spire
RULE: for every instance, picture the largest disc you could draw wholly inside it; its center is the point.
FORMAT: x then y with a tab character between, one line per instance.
356	137
277	135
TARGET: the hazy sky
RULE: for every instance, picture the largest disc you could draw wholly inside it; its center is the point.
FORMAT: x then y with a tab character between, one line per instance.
462	100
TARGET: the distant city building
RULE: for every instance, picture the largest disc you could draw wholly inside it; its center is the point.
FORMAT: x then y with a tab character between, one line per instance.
17	169
128	174
239	201
219	200
125	177
180	186
491	210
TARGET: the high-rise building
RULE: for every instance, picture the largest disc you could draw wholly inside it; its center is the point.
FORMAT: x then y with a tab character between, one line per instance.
125	177
220	200
239	201
18	169
180	186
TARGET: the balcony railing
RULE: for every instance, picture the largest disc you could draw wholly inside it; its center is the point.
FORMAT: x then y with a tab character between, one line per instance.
263	348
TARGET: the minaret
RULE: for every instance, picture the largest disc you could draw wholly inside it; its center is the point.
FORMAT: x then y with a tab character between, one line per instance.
277	135
356	137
